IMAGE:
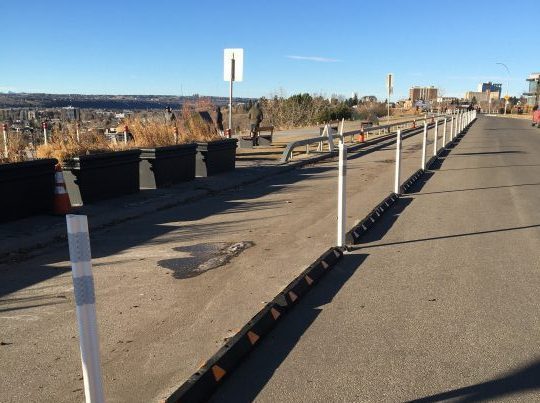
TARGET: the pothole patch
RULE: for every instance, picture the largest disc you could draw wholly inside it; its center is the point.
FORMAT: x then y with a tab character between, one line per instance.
200	258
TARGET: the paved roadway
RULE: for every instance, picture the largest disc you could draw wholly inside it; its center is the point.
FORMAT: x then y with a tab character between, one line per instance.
441	302
169	288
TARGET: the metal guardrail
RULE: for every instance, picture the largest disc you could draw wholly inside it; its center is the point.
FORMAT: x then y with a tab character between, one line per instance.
320	140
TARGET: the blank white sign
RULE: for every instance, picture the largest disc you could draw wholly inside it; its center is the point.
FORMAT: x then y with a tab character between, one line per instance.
238	56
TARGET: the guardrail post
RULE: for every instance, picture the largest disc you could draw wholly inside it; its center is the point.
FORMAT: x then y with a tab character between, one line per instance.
397	179
4	131
444	133
342	193
83	288
435	137
424	145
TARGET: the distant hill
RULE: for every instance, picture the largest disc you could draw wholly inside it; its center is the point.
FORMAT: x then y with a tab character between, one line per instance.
112	102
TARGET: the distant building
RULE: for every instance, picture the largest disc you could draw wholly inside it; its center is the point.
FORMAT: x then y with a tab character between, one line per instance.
533	94
490	87
423	94
482	96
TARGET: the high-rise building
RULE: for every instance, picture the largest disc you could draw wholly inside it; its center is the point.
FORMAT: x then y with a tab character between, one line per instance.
533	96
423	94
490	87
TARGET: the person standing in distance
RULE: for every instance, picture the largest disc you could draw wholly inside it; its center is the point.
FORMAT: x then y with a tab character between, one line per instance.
255	116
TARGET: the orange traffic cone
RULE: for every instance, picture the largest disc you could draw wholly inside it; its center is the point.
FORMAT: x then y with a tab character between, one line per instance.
62	205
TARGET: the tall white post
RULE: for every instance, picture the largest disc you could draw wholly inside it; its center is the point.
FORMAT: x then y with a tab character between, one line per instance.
125	134
397	179
83	288
78	135
444	133
451	129
424	145
435	137
4	131
342	195
44	125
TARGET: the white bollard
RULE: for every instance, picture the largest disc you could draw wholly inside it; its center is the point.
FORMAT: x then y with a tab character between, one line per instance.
342	193
444	134
125	134
397	179
451	129
83	288
4	131
435	137
424	146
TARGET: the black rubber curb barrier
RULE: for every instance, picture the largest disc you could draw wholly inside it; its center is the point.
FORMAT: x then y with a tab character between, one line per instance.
200	386
363	226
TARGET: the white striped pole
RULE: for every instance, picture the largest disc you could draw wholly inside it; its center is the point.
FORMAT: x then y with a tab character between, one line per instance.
4	131
342	193
435	137
397	179
424	145
83	288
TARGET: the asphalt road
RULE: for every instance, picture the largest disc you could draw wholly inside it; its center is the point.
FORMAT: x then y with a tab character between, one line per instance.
171	286
439	303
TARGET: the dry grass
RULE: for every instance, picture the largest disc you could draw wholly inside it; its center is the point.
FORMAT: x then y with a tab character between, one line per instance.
16	149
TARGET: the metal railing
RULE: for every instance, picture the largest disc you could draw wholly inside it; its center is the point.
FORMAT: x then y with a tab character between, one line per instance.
376	131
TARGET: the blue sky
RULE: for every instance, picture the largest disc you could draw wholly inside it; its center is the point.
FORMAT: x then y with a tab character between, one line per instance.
176	47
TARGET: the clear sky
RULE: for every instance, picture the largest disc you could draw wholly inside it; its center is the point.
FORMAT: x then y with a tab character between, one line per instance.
176	47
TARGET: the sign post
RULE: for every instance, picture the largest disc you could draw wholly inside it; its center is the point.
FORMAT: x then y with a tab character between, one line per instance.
390	88
233	63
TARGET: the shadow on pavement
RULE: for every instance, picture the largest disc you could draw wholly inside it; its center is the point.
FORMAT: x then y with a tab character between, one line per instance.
492	152
383	225
455	235
254	373
105	242
523	380
480	188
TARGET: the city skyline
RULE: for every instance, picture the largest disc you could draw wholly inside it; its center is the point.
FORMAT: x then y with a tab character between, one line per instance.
293	47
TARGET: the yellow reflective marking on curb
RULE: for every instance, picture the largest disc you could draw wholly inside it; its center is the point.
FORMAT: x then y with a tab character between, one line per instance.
218	373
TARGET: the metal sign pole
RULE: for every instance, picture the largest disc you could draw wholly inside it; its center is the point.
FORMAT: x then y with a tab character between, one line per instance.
231	93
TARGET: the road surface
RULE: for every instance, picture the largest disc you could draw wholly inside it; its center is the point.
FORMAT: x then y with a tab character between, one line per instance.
441	301
173	285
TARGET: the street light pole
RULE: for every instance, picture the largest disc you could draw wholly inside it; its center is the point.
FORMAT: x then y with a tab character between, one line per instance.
507	84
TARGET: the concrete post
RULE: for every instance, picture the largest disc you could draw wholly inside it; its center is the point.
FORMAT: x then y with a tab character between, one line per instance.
83	288
342	194
397	179
424	146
